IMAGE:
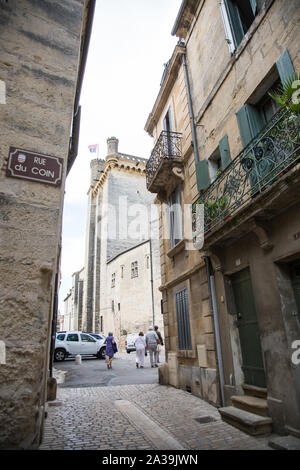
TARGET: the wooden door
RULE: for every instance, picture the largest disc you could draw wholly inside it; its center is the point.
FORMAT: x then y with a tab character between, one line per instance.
247	323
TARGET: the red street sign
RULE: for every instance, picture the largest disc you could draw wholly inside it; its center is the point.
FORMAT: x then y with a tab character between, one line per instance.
34	166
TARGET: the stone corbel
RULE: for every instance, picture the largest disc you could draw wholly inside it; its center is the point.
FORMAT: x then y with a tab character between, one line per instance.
215	260
178	171
262	235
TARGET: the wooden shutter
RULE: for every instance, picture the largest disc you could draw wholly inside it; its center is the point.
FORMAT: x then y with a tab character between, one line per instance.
285	66
202	175
234	21
250	122
183	320
224	152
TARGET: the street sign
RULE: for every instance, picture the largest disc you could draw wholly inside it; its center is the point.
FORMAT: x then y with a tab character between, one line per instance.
34	166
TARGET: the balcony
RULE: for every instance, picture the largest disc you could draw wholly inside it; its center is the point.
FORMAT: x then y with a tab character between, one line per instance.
164	169
266	159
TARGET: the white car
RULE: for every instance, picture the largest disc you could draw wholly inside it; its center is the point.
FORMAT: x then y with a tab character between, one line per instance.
130	342
71	343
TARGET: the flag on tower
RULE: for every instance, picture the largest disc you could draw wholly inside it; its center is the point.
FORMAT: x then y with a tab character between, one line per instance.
93	148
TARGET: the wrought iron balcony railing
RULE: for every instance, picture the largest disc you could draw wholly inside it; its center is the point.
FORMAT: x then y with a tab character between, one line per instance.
167	147
265	159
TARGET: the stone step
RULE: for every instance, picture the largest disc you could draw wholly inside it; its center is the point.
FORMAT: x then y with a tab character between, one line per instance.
258	392
248	422
251	404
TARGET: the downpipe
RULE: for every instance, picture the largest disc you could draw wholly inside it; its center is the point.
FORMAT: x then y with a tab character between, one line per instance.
213	300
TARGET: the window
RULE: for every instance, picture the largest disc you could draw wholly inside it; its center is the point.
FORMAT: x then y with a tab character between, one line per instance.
113	305
183	320
237	15
220	159
214	165
122	272
72	337
134	269
175	214
253	117
147	261
60	337
87	338
268	107
119	306
113	280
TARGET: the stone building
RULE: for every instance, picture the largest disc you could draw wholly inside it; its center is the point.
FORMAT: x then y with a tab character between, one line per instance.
73	303
231	308
43	52
122	268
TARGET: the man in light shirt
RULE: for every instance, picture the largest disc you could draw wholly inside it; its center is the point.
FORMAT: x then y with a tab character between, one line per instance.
151	342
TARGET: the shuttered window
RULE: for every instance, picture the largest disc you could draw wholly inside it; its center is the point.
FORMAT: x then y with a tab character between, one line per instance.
251	119
183	320
237	15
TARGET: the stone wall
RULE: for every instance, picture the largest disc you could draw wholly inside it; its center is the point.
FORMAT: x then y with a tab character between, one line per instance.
40	45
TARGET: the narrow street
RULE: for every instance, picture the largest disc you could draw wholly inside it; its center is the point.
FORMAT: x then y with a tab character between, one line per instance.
126	409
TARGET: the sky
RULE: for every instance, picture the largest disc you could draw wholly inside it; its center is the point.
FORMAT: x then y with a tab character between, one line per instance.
130	43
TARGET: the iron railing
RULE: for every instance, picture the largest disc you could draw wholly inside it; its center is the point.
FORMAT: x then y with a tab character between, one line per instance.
265	159
168	146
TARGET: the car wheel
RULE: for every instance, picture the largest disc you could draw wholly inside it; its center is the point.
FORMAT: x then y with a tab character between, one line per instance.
59	355
101	353
128	352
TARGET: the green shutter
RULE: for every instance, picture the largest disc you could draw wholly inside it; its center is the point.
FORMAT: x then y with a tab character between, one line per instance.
234	21
224	152
285	66
202	175
250	122
253	4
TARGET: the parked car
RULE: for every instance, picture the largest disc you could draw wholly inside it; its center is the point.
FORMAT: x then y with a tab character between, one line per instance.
71	343
97	336
129	343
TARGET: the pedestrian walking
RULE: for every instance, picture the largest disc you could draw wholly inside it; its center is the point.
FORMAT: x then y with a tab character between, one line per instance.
140	346
160	344
109	341
151	342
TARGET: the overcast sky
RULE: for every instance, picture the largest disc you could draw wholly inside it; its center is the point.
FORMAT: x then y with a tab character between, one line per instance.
130	43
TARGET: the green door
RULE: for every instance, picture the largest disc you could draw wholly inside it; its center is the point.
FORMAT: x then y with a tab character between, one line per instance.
248	329
296	283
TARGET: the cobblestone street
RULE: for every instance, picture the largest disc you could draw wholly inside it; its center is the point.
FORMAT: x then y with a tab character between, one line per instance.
135	417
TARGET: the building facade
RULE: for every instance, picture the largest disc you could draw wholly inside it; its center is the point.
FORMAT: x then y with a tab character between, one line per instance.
122	268
43	52
239	160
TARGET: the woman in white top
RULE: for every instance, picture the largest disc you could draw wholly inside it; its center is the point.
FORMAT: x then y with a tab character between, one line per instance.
140	346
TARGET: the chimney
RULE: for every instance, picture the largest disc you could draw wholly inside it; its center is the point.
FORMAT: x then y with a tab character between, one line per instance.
112	146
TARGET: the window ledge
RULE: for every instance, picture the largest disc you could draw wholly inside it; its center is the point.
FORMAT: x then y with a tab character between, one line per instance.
176	249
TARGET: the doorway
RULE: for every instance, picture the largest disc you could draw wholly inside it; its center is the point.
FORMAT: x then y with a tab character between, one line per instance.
248	328
295	277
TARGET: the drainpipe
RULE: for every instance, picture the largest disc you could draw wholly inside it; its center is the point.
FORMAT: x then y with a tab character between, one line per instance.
187	83
151	280
213	300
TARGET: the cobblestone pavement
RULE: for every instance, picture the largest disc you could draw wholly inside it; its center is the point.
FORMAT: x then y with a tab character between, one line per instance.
91	418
